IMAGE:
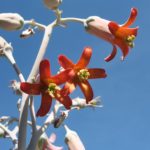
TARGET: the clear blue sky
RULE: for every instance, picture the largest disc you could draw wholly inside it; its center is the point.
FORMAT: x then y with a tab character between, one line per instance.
123	123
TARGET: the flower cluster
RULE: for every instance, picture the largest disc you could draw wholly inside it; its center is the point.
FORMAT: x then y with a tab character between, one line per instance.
61	85
72	75
79	74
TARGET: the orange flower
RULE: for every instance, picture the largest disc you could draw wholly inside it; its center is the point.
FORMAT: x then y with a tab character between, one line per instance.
48	88
81	74
118	35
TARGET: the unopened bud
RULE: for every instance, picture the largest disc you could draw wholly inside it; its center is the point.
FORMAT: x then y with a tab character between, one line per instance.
11	21
52	4
73	140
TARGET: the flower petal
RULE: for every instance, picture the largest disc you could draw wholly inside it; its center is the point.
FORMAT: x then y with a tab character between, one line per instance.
63	76
123	46
68	88
121	32
65	100
30	88
112	55
45	105
113	27
87	90
45	69
85	58
65	62
96	73
125	32
132	18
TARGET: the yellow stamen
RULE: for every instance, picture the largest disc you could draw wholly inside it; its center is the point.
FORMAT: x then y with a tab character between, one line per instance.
83	74
130	40
52	87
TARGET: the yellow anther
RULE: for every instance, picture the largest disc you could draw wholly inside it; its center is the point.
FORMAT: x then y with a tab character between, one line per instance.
83	74
130	40
51	89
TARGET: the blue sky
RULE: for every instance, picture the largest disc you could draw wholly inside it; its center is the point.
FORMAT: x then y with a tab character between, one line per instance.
123	123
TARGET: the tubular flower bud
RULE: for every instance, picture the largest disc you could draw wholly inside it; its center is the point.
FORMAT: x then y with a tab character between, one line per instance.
52	4
11	21
73	140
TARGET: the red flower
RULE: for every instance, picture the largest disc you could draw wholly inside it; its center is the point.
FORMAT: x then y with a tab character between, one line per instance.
48	88
81	74
118	35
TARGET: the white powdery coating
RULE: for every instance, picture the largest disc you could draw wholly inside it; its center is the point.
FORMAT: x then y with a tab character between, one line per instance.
11	21
99	27
73	140
52	4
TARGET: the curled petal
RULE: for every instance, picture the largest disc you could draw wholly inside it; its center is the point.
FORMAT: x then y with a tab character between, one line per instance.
45	105
131	18
30	88
85	58
65	62
112	55
63	76
87	90
96	73
121	32
68	88
65	100
44	69
123	46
